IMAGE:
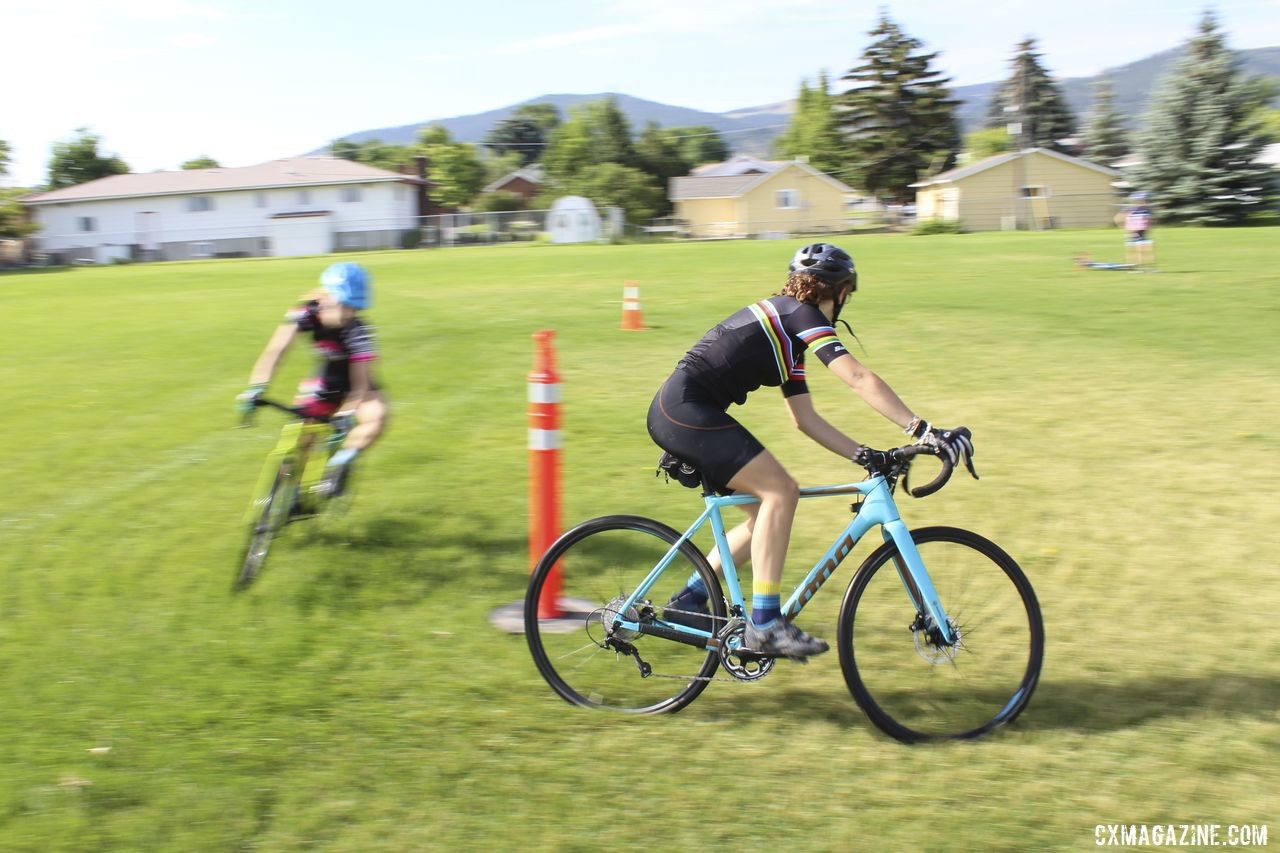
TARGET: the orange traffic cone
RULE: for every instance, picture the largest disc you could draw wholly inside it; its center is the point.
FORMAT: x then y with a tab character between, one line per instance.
632	316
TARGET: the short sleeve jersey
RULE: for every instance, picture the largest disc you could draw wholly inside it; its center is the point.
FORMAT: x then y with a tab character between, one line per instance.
336	348
763	344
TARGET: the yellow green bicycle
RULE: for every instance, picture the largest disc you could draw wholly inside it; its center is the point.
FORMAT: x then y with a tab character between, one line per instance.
291	486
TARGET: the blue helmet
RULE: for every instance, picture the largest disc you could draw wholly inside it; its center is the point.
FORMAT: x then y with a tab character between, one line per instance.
349	284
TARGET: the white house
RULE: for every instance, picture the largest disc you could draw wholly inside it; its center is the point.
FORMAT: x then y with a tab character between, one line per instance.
295	206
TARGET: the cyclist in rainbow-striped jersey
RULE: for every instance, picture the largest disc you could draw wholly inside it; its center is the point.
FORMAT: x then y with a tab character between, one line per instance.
765	344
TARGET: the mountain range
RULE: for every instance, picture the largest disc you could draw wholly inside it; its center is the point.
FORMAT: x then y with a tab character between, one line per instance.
751	130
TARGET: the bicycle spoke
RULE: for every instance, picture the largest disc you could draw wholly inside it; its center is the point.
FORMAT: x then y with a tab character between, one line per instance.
915	689
598	665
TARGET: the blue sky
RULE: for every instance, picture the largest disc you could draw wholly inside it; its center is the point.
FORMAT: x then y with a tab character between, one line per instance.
162	81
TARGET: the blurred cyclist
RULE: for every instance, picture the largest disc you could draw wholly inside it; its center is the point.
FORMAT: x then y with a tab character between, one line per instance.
342	388
765	344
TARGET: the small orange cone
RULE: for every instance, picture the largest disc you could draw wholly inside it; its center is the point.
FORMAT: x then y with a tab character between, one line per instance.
632	316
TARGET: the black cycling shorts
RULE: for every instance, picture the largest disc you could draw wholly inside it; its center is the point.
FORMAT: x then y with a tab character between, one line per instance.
685	422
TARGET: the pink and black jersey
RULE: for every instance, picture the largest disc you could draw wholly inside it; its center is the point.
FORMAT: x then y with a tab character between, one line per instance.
763	344
336	348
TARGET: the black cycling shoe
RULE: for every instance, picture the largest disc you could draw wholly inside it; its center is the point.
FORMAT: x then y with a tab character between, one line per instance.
782	639
688	614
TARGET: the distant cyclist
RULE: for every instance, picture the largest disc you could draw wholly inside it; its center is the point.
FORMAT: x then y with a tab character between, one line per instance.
343	387
765	344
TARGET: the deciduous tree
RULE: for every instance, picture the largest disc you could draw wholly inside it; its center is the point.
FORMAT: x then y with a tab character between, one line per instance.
78	160
814	132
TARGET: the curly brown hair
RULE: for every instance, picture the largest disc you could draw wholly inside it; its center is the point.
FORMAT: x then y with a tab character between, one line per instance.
807	287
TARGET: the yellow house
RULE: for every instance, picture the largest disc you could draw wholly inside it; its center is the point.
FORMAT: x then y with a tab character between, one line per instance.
1033	189
746	197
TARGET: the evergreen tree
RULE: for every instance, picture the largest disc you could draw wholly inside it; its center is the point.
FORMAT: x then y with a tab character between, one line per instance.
898	117
1104	138
813	133
1203	136
1031	98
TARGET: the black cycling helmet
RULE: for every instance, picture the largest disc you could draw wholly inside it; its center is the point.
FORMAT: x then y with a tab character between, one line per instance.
826	262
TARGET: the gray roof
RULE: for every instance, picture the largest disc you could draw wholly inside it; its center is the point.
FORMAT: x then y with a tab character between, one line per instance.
729	186
290	172
532	173
732	186
743	164
1000	159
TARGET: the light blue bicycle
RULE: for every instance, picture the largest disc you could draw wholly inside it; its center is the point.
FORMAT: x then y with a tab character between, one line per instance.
953	651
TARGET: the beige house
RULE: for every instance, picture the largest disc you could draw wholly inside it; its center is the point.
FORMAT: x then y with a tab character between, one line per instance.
746	197
1035	189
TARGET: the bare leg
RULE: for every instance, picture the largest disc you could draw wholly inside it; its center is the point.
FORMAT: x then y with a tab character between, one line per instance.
739	542
371	420
765	478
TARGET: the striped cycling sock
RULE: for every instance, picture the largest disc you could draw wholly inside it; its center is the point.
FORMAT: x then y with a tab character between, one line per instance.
694	594
766	602
342	457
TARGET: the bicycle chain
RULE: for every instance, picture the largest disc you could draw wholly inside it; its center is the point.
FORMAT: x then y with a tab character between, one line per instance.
712	616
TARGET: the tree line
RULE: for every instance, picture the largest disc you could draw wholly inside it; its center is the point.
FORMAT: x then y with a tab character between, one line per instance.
893	124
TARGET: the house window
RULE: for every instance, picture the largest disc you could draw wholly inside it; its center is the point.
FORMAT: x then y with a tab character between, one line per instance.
87	223
259	199
350	194
787	199
199	203
304	196
1035	192
202	250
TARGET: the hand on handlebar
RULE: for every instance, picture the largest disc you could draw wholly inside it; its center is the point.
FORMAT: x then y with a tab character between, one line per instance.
870	459
956	443
247	400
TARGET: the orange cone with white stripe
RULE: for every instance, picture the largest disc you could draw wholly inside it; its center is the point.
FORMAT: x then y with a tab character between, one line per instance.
632	316
544	467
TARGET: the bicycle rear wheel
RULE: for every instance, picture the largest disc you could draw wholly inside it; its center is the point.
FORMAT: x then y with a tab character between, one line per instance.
916	689
273	510
599	564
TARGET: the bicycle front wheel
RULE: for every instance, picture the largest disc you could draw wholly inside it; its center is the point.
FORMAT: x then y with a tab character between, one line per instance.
272	513
915	688
597	566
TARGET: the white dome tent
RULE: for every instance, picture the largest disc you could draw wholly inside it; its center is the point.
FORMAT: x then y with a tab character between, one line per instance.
573	219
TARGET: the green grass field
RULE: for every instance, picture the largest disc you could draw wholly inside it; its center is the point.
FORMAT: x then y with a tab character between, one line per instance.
357	697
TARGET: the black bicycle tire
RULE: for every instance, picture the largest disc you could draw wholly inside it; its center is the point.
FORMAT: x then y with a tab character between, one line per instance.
558	549
264	527
883	556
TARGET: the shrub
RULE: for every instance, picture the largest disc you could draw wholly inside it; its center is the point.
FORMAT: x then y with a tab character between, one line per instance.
938	226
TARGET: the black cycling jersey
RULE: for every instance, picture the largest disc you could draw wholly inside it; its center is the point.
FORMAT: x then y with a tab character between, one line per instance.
763	344
337	348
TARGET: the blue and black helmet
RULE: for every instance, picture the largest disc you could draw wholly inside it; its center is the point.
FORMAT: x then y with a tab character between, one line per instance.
826	262
349	284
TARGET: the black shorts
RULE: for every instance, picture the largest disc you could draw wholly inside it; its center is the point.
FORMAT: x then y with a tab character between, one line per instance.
685	422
